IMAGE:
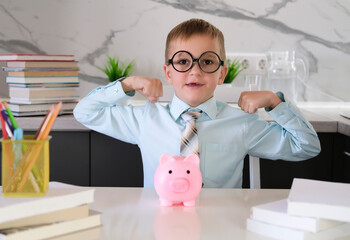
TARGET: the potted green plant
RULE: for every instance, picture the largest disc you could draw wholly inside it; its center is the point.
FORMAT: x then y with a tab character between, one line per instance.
234	68
115	69
227	92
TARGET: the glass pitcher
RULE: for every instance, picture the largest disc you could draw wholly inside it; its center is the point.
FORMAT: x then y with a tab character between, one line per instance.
284	71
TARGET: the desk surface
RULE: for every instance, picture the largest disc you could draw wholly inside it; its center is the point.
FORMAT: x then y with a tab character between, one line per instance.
135	213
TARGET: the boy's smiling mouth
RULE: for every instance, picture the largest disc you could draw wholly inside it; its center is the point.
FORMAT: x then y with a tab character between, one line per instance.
194	84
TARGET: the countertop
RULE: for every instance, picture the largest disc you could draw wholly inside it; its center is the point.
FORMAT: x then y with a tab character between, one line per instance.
325	117
135	213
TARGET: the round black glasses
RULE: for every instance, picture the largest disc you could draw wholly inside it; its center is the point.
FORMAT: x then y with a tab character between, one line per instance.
209	62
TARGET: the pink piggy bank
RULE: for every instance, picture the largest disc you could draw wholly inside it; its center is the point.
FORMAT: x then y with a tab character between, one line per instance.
178	180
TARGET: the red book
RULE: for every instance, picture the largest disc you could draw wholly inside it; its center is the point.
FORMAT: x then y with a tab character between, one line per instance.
36	57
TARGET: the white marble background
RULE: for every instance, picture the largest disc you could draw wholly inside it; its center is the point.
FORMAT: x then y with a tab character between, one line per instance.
136	30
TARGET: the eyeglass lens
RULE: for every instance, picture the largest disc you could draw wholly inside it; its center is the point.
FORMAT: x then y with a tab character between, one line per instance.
209	62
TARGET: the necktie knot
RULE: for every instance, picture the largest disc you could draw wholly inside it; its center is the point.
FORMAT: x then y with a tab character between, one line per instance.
188	116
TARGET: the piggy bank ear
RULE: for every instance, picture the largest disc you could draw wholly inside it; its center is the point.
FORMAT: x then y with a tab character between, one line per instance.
165	157
193	158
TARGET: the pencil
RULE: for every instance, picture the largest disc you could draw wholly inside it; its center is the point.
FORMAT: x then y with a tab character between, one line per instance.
46	129
3	127
8	124
5	145
34	154
43	122
15	126
9	113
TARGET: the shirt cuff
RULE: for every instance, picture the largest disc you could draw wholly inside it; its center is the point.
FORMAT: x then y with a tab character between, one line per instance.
115	90
282	113
281	96
129	93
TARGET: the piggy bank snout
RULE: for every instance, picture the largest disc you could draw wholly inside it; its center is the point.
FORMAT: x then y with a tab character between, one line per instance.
179	185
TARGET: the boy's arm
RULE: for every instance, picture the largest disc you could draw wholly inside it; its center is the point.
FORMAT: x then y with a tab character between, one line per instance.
251	101
151	88
290	137
100	110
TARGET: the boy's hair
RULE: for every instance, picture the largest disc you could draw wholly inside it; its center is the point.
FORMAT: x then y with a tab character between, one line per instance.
192	27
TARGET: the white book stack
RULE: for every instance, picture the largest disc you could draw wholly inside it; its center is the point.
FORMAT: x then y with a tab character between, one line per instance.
313	210
63	213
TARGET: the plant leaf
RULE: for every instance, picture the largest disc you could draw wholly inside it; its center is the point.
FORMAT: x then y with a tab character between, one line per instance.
115	69
234	68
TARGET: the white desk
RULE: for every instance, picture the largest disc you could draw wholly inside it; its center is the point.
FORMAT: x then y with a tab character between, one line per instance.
135	213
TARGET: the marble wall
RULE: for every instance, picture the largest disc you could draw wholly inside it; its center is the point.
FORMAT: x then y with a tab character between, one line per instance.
136	30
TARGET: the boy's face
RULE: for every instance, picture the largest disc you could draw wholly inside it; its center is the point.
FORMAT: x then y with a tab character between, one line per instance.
194	86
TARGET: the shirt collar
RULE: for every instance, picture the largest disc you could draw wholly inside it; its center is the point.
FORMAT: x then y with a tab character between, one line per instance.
177	107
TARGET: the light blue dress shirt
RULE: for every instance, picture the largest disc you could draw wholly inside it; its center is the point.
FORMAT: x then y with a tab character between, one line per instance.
226	134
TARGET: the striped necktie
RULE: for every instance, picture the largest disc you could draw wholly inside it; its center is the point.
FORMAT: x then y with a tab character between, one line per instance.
189	139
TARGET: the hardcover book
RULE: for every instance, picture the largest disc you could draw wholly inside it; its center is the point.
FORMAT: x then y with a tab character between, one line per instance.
47	85
36	57
34	93
52	79
39	113
276	213
38	69
284	233
38	64
43	100
38	107
51	217
59	196
54	229
320	199
42	73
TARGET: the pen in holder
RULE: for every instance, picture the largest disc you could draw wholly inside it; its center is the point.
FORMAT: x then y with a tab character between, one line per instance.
25	162
25	167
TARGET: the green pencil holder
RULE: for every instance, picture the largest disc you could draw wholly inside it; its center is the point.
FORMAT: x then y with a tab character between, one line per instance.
25	167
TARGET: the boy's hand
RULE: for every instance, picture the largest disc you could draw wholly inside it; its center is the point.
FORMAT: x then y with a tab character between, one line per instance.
151	88
251	101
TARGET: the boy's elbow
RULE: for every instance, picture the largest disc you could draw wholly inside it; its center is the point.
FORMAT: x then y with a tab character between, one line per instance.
87	115
315	152
78	113
313	149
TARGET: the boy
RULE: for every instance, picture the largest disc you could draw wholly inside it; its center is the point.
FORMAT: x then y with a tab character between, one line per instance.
194	66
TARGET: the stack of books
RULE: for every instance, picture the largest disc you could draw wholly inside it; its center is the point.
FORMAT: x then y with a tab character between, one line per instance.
36	81
313	210
63	213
